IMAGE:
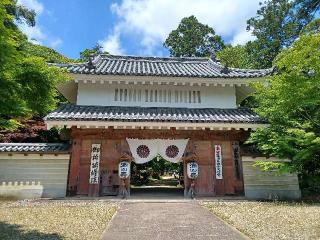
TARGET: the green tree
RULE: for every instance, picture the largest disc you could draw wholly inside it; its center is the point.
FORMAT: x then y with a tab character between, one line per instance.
27	85
48	54
10	103
85	54
38	84
290	101
277	24
20	13
193	39
236	57
306	9
312	27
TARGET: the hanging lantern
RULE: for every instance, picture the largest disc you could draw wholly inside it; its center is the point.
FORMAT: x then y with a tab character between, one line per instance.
124	169
192	170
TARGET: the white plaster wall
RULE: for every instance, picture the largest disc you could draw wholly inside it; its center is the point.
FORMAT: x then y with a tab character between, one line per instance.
33	175
103	95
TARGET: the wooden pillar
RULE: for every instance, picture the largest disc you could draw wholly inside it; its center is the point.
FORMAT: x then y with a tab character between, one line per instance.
226	185
93	190
74	167
228	168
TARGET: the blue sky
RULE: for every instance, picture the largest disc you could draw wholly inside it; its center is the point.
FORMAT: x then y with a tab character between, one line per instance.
132	27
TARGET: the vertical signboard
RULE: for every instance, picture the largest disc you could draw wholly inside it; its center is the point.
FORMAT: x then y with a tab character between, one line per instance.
94	166
218	158
236	159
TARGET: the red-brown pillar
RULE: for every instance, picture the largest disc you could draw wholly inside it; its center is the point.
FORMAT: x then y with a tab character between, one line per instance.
74	167
93	190
228	168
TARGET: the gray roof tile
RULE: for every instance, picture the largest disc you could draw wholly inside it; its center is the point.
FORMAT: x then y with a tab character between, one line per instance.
159	66
34	147
71	112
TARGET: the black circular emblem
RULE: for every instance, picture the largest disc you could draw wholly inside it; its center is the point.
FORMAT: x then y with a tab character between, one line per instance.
143	151
172	151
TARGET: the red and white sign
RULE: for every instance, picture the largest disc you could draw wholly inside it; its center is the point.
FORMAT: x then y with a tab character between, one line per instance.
218	158
94	165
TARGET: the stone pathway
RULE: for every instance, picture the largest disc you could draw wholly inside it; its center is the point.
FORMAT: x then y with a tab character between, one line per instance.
165	220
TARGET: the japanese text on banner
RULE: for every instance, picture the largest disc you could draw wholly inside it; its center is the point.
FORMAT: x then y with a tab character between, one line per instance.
218	158
94	165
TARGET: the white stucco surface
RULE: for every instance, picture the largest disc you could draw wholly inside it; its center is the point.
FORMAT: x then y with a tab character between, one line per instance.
33	175
104	95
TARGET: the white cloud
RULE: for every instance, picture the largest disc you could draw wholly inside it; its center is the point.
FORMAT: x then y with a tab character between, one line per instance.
242	38
152	20
32	4
112	43
55	42
34	34
37	34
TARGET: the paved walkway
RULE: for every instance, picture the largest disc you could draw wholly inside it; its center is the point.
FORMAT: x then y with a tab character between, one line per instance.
174	221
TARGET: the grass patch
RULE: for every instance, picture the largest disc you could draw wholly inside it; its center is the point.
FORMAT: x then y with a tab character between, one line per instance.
269	220
54	219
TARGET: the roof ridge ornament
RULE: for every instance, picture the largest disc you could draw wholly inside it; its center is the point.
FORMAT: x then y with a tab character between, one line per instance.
91	64
225	69
213	56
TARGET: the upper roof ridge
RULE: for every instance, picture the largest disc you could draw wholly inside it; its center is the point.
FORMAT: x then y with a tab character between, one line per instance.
203	67
153	58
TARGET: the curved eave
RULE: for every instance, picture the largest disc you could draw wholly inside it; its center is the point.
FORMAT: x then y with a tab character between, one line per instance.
155	125
164	80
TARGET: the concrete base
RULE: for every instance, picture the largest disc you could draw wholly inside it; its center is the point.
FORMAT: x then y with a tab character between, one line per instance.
27	190
273	194
21	191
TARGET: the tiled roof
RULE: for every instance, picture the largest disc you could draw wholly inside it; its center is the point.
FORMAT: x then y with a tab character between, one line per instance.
159	66
34	147
71	112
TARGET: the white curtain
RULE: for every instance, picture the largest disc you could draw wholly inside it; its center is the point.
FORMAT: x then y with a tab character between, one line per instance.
172	150
143	150
136	145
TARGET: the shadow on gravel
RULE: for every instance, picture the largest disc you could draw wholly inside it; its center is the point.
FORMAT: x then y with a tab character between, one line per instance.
13	231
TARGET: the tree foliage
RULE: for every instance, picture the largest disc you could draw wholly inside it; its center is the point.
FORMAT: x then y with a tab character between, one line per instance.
48	54
236	57
277	24
306	8
291	104
27	83
20	13
312	27
85	54
193	39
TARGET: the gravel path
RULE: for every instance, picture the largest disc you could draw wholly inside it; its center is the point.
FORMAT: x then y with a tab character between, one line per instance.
147	221
54	220
270	220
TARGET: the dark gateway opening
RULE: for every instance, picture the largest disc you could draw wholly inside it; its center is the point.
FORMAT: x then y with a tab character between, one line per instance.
157	178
